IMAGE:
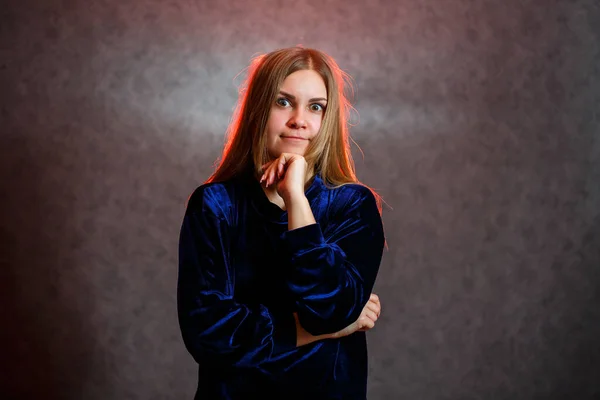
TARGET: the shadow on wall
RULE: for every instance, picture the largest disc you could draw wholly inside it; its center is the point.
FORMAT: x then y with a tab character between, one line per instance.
48	343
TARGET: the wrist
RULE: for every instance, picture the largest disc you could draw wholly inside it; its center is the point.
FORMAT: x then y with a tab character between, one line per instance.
293	197
298	201
299	213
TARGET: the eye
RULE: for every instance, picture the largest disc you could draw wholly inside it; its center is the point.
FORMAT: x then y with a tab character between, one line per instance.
317	107
283	102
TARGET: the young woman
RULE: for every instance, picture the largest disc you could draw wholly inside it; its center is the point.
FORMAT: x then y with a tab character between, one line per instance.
280	248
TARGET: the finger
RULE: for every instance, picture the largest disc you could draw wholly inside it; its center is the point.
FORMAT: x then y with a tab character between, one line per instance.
274	173
372	304
376	303
366	328
372	315
281	165
366	323
276	167
374	300
269	175
374	308
291	157
265	177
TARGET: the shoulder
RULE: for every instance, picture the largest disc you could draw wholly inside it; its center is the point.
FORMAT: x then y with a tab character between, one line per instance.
214	198
354	190
353	196
354	206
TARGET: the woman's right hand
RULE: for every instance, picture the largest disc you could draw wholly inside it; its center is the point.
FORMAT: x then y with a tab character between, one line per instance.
365	321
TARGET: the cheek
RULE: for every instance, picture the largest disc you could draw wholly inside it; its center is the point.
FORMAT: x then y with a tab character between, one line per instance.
316	123
275	122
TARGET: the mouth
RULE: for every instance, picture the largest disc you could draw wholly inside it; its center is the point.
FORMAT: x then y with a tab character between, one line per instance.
295	138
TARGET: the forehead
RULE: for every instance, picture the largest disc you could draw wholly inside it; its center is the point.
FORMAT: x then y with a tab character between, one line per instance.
305	83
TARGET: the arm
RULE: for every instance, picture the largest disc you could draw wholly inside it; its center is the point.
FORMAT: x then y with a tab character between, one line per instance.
304	337
333	272
299	212
216	328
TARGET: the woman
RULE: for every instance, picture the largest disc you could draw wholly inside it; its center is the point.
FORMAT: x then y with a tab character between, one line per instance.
280	248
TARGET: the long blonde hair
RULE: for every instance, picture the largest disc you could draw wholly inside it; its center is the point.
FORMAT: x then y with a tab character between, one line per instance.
328	154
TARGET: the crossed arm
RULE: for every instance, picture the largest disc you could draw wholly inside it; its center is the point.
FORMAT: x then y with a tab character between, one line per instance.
332	281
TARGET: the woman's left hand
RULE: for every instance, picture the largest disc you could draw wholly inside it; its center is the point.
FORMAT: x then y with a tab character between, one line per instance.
366	320
288	172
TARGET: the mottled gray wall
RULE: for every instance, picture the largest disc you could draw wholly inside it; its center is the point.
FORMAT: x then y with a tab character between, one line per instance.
479	124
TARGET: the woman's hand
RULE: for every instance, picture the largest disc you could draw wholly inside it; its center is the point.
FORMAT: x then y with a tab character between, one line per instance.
366	319
288	172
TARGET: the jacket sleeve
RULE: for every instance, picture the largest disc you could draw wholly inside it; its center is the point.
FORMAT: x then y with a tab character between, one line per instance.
333	272
216	329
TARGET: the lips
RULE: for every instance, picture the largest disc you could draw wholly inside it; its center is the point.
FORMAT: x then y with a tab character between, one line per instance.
290	137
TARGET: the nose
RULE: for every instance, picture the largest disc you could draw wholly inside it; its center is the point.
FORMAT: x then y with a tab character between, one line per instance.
297	119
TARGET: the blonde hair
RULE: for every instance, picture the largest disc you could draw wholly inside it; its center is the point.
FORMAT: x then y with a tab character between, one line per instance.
328	154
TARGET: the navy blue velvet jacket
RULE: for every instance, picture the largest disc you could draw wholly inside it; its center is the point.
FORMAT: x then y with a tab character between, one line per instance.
242	275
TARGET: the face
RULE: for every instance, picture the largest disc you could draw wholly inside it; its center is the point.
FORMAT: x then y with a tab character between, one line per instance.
297	113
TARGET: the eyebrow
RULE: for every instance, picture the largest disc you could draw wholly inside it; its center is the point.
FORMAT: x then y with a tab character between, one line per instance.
294	97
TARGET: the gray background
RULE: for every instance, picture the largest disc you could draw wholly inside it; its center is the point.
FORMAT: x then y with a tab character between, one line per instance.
479	123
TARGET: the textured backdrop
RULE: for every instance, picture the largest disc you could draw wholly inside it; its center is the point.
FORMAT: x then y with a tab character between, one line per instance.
479	122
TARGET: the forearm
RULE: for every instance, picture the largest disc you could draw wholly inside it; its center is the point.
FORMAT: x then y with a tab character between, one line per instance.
303	337
299	212
331	278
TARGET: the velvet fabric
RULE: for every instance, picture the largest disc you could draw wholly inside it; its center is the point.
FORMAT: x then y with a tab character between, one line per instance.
242	275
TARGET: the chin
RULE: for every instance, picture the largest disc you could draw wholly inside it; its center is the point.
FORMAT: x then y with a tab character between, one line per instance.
278	152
